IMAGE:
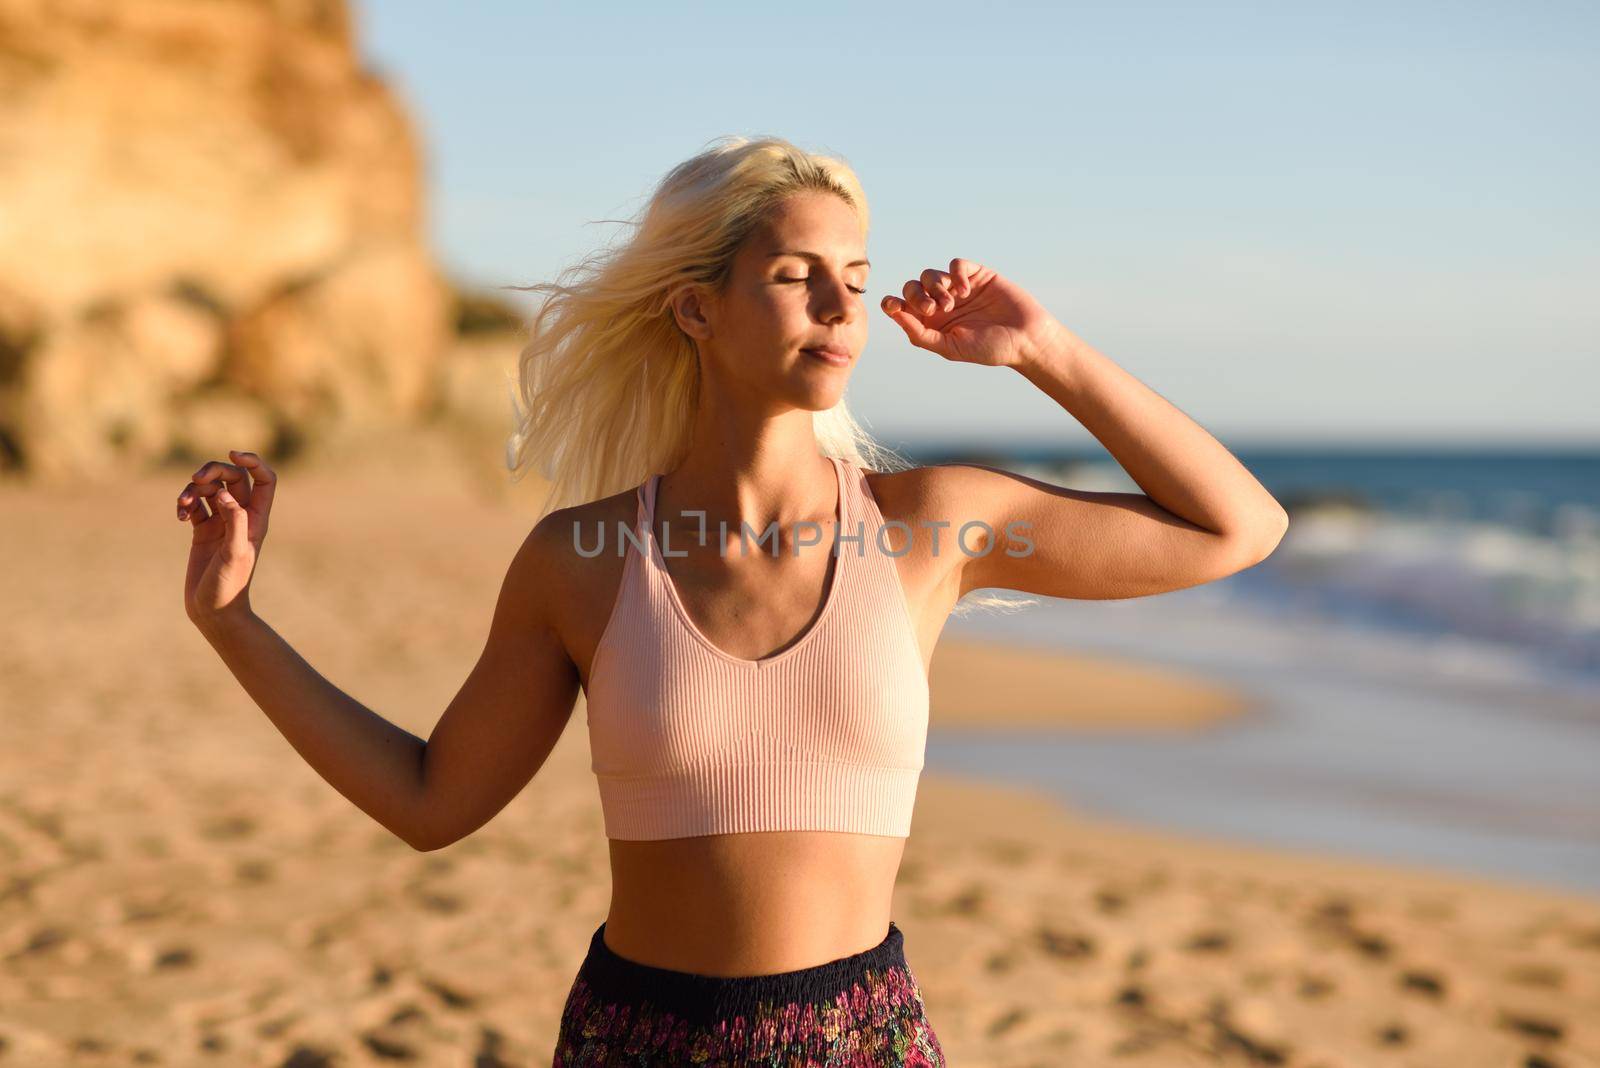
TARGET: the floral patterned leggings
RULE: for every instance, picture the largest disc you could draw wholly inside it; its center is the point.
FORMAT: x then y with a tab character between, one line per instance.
861	1010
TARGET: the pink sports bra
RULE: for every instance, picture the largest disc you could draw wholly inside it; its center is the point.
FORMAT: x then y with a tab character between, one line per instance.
827	734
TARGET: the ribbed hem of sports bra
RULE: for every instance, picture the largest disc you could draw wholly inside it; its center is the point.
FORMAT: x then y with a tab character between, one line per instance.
678	772
654	806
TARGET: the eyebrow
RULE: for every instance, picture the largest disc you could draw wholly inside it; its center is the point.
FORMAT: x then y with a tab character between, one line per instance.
813	256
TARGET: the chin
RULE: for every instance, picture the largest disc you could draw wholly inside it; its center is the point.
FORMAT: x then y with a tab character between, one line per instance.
818	399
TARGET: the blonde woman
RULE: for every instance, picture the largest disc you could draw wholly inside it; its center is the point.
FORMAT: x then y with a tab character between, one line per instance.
748	591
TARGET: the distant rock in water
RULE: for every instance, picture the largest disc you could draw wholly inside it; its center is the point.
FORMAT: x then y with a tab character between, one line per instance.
211	234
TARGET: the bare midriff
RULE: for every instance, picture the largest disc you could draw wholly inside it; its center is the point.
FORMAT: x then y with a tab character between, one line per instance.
750	904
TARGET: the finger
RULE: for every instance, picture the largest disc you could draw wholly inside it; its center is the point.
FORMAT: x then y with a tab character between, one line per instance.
216	472
196	514
920	335
194	492
937	283
233	514
966	274
917	299
263	480
189	500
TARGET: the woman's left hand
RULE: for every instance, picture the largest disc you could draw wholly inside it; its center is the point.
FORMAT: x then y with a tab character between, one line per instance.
971	314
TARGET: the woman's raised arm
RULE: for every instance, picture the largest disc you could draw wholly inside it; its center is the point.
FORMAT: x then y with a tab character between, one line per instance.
492	739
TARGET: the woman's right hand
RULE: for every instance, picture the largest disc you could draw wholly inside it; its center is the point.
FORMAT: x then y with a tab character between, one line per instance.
227	542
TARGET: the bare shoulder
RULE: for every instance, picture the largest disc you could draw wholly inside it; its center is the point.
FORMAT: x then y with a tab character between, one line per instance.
936	494
561	547
924	511
899	493
571	566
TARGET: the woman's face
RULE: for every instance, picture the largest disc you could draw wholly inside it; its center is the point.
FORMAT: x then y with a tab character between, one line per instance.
796	284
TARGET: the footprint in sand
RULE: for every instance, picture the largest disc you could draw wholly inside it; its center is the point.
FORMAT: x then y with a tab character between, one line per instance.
388	1048
1313	987
1006	1021
1372	945
1586	938
1209	942
1533	1026
1541	975
968	902
228	828
1238	1035
1132	996
451	997
490	1043
1422	983
144	911
254	871
1110	901
1335	910
42	941
1392	1035
1065	946
176	957
435	901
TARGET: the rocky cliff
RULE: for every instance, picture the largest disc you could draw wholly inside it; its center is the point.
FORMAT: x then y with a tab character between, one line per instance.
211	234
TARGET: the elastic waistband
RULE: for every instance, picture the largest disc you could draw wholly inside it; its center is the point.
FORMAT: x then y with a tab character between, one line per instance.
708	998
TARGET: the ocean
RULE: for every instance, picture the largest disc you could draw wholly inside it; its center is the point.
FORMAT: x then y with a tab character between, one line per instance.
1502	546
1424	643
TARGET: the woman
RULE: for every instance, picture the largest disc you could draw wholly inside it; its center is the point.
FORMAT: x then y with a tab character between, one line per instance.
756	718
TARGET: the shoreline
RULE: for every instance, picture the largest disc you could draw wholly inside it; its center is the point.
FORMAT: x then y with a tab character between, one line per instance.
1009	686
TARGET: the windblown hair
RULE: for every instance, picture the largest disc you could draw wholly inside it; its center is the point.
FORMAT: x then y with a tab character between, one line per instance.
608	381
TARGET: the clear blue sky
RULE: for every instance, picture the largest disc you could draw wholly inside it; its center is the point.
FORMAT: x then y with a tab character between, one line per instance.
1360	223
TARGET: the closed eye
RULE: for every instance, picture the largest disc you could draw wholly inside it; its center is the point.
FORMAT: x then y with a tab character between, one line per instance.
852	289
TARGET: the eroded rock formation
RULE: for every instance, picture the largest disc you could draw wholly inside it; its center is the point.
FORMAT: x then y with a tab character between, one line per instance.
211	233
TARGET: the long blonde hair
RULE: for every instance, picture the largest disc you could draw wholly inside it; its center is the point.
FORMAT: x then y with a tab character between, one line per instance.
607	381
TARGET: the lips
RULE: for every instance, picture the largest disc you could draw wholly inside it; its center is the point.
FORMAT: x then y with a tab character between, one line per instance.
830	354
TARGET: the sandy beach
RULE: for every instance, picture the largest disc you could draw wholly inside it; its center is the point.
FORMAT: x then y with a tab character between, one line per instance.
178	887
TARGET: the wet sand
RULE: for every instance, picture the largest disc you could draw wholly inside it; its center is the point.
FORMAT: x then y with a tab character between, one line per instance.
998	684
178	887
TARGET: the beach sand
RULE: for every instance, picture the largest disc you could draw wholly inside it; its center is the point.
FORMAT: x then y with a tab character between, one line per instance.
178	887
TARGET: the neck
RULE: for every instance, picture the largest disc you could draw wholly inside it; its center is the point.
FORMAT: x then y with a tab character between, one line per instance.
758	469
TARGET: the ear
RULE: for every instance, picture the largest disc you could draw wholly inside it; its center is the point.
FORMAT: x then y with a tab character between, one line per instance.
690	306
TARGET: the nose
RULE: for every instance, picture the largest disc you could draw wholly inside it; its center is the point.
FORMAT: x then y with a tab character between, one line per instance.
835	302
